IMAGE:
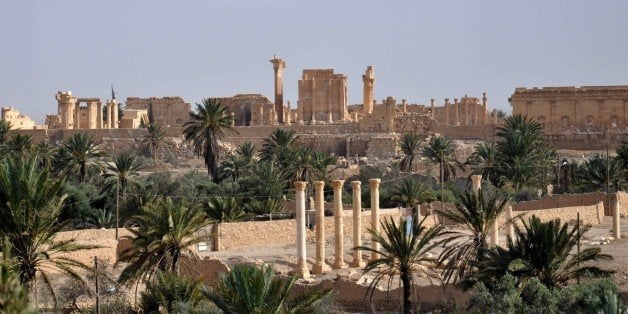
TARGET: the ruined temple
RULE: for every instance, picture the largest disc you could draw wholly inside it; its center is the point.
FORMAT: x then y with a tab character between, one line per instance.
71	114
168	112
583	109
322	97
250	109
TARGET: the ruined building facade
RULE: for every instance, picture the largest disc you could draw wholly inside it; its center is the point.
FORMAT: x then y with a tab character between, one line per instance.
322	97
18	121
83	113
250	109
168	112
602	109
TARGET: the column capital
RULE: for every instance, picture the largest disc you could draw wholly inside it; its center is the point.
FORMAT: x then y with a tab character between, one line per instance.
337	184
300	185
319	185
356	184
375	182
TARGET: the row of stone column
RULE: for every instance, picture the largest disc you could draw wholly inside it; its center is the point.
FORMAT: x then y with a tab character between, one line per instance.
320	266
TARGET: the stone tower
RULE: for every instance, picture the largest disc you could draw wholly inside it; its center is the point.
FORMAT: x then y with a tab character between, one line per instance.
67	106
369	80
278	66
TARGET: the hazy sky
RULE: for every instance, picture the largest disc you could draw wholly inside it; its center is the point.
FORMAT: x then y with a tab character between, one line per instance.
199	49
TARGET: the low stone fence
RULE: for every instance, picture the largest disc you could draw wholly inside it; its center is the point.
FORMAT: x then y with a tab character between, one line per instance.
574	200
589	214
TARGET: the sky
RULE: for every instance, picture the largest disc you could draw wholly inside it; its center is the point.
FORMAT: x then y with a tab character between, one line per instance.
199	49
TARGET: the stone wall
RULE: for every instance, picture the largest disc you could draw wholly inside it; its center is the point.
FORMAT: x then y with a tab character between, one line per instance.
589	214
259	233
572	200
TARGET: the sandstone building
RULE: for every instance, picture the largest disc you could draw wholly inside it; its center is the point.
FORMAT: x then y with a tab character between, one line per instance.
251	109
597	109
322	97
168	112
72	115
18	121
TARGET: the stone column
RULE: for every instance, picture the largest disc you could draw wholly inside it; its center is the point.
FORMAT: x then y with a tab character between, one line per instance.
476	183
357	223
114	111
374	183
456	112
404	105
433	108
99	116
465	106
339	249
369	81
484	109
319	265
495	116
287	114
300	270
446	120
92	115
615	211
278	66
76	119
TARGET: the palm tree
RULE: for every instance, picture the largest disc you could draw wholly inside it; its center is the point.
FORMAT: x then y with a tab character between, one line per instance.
30	205
485	162
257	289
268	180
45	152
209	124
411	148
247	151
309	165
123	173
477	215
524	152
166	233
411	192
13	295
622	158
543	250
154	139
5	127
278	145
19	144
171	292
401	253
441	150
219	210
78	154
592	175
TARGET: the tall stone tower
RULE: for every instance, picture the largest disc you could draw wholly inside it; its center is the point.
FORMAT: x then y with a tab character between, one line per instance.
278	66
369	80
67	107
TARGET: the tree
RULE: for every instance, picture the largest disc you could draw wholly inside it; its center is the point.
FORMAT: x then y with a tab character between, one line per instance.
485	162
543	250
219	210
171	292
411	148
278	145
5	127
594	174
45	153
123	172
526	158
257	289
166	233
401	253
411	192
309	165
78	154
13	294
209	124
477	215
30	204
441	150
236	165
19	144
154	139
